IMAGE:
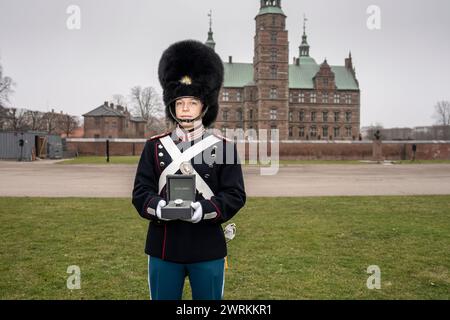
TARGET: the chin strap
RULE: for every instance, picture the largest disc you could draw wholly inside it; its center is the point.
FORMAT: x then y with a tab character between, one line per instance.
179	121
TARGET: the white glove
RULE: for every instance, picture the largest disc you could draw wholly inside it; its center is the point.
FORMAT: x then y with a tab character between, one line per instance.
198	213
161	203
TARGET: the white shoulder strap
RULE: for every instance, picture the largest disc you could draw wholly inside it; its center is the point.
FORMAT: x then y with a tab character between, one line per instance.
178	158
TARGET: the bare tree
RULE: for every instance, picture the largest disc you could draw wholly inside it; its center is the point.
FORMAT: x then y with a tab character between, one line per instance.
120	100
67	124
17	119
34	120
442	113
4	118
6	85
50	122
147	104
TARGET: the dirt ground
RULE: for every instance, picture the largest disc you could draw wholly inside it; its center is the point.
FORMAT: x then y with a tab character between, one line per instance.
48	179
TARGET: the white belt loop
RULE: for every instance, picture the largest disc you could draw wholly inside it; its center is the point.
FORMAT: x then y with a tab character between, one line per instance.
178	158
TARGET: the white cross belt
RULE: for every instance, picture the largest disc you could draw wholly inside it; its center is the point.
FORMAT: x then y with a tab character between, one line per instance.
178	158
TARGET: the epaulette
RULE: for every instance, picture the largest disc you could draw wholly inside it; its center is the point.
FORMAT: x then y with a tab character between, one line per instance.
159	135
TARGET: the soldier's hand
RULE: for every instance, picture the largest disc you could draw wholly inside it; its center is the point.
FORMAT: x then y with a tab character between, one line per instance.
161	203
198	213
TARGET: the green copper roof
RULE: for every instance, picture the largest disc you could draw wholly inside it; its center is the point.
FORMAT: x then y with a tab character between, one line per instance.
307	60
238	75
301	77
270	10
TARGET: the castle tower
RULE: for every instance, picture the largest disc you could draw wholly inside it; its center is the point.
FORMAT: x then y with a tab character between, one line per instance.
271	68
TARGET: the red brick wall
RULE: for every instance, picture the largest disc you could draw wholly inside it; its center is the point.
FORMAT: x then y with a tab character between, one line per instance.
295	151
99	148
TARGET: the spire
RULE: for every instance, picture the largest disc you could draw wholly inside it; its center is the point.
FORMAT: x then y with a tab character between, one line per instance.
349	62
270	3
210	42
304	47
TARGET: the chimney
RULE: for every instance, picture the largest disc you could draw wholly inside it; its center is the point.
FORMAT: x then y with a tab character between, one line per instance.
111	105
349	62
297	61
53	110
230	59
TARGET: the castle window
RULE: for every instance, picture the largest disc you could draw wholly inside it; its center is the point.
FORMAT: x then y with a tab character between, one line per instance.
290	131
273	93
291	97
273	72
273	37
301	132
273	55
336	117
238	96
336	98
325	116
273	114
301	115
336	132
313	116
225	96
313	131
239	115
348	131
348	99
325	131
348	116
291	116
325	82
313	98
251	115
325	97
301	97
225	115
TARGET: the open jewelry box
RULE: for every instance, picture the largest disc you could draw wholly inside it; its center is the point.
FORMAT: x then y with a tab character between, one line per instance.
180	194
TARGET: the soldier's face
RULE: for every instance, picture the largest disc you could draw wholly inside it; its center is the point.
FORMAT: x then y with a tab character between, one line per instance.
188	108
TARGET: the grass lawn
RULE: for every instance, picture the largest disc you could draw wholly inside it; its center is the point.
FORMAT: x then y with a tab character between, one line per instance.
135	160
285	248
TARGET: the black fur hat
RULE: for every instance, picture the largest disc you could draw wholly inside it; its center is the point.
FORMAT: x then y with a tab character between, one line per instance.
190	68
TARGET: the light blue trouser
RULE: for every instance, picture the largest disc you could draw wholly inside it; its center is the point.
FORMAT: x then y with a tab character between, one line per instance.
166	279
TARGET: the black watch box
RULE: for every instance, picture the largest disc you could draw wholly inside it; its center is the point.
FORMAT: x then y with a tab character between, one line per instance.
179	187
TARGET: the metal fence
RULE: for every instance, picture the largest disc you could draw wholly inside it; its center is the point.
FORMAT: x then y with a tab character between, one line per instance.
27	146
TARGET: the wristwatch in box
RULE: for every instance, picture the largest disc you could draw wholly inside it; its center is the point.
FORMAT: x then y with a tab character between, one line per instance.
180	194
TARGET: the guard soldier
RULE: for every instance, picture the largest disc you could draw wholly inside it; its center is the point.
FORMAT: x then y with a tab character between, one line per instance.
191	75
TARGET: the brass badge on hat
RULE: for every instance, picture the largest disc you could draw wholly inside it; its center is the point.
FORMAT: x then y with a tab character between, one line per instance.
186	80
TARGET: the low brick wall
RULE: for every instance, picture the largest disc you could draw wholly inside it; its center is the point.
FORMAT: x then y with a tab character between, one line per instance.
289	150
97	147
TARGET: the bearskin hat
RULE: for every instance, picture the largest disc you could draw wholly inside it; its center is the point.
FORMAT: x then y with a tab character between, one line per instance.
190	68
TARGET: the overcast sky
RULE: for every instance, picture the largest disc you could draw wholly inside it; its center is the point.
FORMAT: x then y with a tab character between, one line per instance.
403	67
